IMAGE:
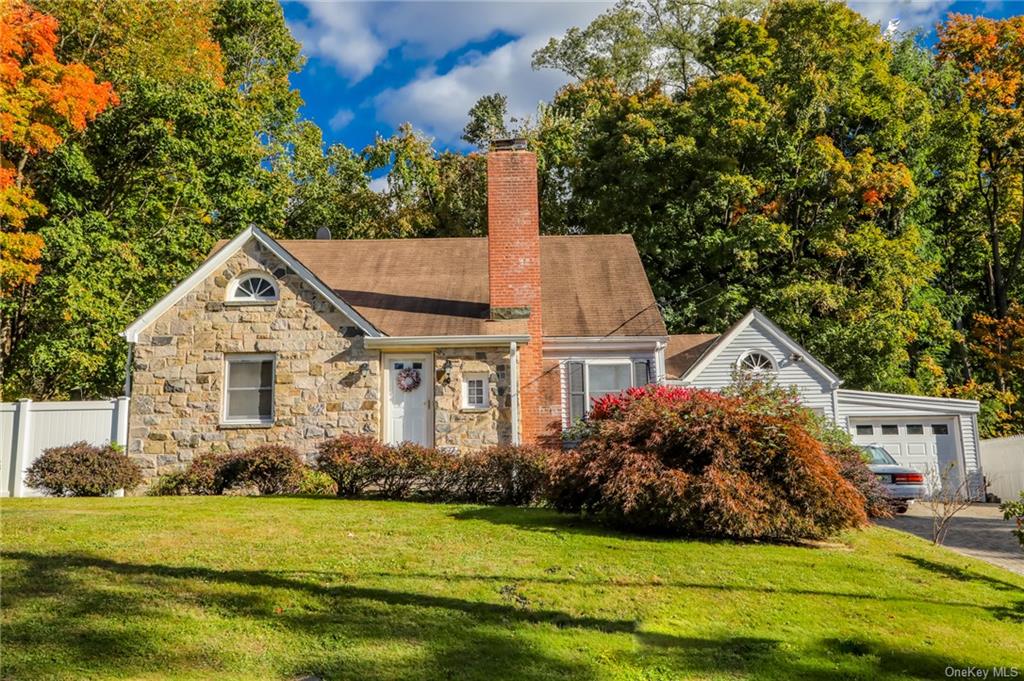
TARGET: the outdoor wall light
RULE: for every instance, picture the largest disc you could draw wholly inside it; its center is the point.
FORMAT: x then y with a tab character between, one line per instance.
364	369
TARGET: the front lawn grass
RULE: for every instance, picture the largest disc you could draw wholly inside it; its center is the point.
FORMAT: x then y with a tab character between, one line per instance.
232	587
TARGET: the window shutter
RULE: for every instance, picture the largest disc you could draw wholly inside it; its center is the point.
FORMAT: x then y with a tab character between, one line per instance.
577	392
641	373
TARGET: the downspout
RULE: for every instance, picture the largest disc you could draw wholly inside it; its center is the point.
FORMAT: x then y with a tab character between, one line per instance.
835	404
128	370
513	363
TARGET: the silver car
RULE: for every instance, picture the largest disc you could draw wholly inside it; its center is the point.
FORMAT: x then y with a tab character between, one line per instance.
905	485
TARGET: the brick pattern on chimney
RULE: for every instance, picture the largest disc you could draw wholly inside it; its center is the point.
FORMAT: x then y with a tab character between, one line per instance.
513	260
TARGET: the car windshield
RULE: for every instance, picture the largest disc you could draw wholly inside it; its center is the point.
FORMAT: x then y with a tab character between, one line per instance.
876	455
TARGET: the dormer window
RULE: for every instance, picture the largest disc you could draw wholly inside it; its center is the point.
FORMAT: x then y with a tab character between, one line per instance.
252	288
756	363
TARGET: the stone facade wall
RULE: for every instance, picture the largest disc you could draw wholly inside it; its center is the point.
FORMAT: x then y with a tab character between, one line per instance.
463	430
179	370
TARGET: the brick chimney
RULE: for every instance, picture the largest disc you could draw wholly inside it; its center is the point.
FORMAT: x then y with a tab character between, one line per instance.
513	264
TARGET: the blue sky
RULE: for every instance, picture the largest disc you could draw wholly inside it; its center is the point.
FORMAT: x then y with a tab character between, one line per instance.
373	65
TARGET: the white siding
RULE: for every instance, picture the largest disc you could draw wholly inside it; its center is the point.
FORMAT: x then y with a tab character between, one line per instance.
815	390
856	404
28	428
1003	462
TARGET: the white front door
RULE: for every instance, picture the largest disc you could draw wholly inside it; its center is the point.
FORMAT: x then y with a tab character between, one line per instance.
928	445
410	386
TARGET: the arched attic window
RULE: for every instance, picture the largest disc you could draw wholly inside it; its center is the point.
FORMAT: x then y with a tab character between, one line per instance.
756	363
252	287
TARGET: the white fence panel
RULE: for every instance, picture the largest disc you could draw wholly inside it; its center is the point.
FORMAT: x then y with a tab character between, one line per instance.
27	428
1002	460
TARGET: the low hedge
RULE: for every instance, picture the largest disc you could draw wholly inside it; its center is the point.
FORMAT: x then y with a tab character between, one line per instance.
505	474
83	470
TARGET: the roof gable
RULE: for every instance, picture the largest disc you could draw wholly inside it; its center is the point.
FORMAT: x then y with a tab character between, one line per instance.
217	260
768	327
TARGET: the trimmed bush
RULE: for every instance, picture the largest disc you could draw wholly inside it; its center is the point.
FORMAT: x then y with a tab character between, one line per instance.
203	475
271	469
398	468
83	470
351	461
443	477
505	474
691	462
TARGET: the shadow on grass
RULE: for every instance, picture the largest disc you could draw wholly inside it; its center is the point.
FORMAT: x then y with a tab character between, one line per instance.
73	615
958	573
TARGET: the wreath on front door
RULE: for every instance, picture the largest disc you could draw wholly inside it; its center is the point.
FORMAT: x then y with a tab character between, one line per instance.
408	380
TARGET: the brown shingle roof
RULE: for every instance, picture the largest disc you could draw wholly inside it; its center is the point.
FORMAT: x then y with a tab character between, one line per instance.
684	350
591	285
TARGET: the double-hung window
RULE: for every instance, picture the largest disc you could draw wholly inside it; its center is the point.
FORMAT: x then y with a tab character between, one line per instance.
249	389
590	379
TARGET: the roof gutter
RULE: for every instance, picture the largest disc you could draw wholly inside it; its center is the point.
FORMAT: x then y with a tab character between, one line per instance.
409	342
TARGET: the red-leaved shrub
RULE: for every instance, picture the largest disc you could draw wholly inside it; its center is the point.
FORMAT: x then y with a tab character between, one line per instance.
692	462
351	461
271	469
83	470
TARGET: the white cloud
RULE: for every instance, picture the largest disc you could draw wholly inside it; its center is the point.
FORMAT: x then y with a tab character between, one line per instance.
912	14
341	119
437	103
341	33
357	38
379	184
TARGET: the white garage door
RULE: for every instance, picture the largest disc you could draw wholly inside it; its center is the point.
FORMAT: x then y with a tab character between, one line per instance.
926	445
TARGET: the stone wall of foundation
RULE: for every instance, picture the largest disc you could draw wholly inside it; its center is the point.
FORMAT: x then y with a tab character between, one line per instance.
179	370
463	430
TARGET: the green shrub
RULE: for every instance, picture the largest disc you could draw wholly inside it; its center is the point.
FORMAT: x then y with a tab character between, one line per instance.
690	462
83	470
169	485
505	474
317	484
203	474
271	469
1014	510
351	461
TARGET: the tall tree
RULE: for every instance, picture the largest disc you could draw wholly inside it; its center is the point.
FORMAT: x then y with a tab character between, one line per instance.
784	177
139	199
988	55
42	101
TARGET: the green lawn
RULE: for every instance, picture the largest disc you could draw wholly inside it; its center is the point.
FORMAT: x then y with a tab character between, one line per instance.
235	587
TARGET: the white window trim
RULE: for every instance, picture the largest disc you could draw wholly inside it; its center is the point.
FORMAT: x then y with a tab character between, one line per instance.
232	290
758	351
476	376
249	357
587	362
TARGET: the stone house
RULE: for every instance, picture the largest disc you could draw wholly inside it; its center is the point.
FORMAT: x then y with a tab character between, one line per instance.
453	343
458	344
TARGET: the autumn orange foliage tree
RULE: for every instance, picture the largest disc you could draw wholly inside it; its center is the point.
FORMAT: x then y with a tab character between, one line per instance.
989	56
41	102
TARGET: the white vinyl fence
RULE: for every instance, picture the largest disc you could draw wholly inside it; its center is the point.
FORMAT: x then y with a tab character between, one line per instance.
27	428
1002	460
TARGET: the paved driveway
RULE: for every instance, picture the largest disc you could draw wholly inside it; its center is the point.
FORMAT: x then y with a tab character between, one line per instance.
977	531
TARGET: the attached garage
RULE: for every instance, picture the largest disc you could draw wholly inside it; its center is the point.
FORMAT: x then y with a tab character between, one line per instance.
929	434
936	436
